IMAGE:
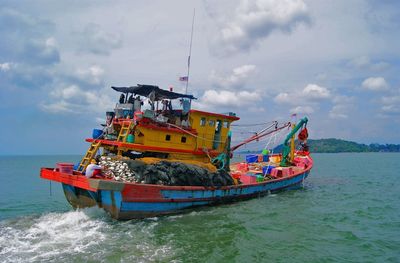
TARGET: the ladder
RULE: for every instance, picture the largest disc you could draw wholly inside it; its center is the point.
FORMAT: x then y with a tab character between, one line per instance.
91	152
123	133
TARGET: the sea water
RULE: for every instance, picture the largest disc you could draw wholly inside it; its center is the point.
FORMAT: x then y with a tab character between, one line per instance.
347	211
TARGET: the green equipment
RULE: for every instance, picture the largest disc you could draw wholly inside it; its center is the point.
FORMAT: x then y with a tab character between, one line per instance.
286	148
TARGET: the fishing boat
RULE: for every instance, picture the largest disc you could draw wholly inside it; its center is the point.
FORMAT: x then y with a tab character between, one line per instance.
170	158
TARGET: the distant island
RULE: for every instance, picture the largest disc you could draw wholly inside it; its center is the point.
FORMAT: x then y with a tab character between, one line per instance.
338	146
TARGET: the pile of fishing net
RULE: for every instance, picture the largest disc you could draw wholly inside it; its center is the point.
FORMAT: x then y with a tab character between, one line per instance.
164	172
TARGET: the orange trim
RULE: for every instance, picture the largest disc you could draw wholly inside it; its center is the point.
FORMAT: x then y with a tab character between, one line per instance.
77	180
233	118
135	146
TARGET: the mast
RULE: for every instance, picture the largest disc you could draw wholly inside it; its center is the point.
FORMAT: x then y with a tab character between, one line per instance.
190	52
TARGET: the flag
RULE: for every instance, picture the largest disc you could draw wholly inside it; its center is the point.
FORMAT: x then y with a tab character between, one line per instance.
185	78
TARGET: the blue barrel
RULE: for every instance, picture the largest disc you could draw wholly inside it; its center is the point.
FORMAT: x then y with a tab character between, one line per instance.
130	138
97	133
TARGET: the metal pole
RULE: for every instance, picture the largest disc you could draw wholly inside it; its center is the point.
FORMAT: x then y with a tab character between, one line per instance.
190	52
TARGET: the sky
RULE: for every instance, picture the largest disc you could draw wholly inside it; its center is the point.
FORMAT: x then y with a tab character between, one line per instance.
336	62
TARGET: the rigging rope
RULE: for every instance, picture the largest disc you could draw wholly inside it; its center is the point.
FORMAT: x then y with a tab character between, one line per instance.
257	136
264	132
275	136
249	125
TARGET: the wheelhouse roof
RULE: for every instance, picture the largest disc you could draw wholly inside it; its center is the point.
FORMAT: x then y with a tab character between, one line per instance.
146	90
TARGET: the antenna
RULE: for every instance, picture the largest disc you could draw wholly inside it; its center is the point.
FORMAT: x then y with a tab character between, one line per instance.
190	52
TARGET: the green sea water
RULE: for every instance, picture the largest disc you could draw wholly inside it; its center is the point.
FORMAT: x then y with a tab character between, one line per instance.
347	211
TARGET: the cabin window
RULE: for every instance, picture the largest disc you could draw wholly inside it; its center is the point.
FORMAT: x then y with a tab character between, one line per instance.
203	121
218	126
211	123
226	124
167	137
183	139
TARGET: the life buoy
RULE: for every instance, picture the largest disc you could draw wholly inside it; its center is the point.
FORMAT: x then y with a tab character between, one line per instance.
303	135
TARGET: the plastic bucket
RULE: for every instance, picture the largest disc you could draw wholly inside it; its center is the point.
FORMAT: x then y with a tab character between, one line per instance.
259	178
67	168
267	169
130	138
96	133
251	158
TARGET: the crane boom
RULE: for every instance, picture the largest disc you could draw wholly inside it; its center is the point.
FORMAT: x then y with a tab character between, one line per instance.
286	149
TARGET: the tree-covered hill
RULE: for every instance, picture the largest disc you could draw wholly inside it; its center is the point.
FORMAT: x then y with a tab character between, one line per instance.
338	145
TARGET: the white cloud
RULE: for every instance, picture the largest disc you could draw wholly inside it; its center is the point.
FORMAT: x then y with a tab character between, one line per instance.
360	62
51	42
305	100
339	111
310	93
153	50
75	100
57	107
284	98
343	106
5	66
391	105
227	98
236	79
375	84
255	20
67	93
302	110
313	91
42	51
92	75
27	39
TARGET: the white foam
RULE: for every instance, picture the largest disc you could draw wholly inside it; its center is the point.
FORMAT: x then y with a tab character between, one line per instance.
82	235
50	236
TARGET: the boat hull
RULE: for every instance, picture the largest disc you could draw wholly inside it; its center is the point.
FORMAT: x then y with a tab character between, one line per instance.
131	201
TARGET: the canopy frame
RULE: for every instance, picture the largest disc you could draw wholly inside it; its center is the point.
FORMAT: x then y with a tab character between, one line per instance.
152	92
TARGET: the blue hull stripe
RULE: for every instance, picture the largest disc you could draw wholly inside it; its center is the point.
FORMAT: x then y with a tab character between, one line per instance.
174	194
159	207
176	200
111	198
